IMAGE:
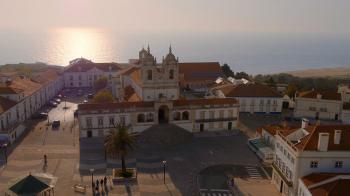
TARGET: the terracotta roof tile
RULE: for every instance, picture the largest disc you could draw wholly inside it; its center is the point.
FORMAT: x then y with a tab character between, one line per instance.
9	90
310	142
215	101
6	104
200	71
248	90
24	85
83	66
130	95
325	95
332	188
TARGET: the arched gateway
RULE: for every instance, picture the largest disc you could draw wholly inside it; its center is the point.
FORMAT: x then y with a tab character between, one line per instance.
163	114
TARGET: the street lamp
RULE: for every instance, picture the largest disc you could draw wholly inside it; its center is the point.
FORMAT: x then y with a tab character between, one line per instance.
164	164
92	178
5	151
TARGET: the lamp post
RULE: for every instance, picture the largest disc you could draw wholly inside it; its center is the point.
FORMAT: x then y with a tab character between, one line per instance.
92	178
5	151
164	165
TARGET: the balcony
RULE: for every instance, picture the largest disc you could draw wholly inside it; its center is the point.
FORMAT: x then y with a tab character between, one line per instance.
280	173
216	119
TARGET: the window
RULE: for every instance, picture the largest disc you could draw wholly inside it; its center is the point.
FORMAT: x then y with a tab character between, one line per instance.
314	164
100	121
202	115
339	164
111	121
323	109
312	108
211	115
221	113
89	122
149	74
171	74
185	115
140	118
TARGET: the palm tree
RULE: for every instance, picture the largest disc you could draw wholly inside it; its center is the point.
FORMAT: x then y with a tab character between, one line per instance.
119	142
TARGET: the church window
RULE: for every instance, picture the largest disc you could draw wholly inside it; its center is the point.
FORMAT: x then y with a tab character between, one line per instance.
171	74
149	74
185	115
140	118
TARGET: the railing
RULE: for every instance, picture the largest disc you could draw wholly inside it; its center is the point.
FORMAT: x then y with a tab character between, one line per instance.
287	141
216	119
288	182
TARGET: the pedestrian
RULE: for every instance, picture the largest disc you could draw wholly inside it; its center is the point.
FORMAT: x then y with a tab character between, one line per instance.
45	159
101	183
105	181
232	181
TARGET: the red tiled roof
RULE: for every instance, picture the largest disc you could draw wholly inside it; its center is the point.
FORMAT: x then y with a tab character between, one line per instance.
136	76
142	104
6	104
104	106
310	142
9	90
84	66
272	129
200	71
215	101
332	188
248	90
27	86
325	95
130	95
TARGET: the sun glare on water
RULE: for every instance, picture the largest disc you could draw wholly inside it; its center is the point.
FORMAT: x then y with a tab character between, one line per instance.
71	43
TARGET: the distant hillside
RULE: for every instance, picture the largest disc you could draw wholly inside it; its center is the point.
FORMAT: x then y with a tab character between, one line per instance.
339	72
27	69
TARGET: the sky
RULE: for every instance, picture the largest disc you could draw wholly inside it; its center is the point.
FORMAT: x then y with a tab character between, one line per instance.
323	17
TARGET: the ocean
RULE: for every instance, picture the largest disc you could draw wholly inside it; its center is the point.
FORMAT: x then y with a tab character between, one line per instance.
252	53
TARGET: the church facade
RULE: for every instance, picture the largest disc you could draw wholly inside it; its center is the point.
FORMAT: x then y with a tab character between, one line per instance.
147	94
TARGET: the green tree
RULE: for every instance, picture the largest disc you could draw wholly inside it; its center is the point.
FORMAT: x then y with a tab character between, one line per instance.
100	83
103	96
227	70
291	89
119	142
242	74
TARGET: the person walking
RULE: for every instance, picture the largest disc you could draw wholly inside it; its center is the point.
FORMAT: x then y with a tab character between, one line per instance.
97	187
45	159
105	181
101	183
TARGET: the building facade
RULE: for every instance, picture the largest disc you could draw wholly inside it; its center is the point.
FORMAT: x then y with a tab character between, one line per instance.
307	150
253	98
318	105
96	120
21	97
83	73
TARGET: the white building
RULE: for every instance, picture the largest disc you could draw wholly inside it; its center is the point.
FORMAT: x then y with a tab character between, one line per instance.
20	97
148	93
307	150
96	120
253	98
318	105
83	73
344	90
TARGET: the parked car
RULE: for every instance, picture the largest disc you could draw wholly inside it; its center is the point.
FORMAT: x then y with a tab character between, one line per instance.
58	100
90	96
56	124
41	115
85	101
59	96
53	104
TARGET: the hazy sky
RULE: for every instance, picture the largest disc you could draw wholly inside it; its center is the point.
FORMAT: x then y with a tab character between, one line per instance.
330	17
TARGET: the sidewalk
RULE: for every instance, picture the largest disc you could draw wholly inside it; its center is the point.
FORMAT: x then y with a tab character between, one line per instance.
248	186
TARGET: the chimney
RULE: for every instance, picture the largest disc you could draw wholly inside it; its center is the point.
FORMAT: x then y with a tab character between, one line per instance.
323	139
304	123
337	136
319	96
